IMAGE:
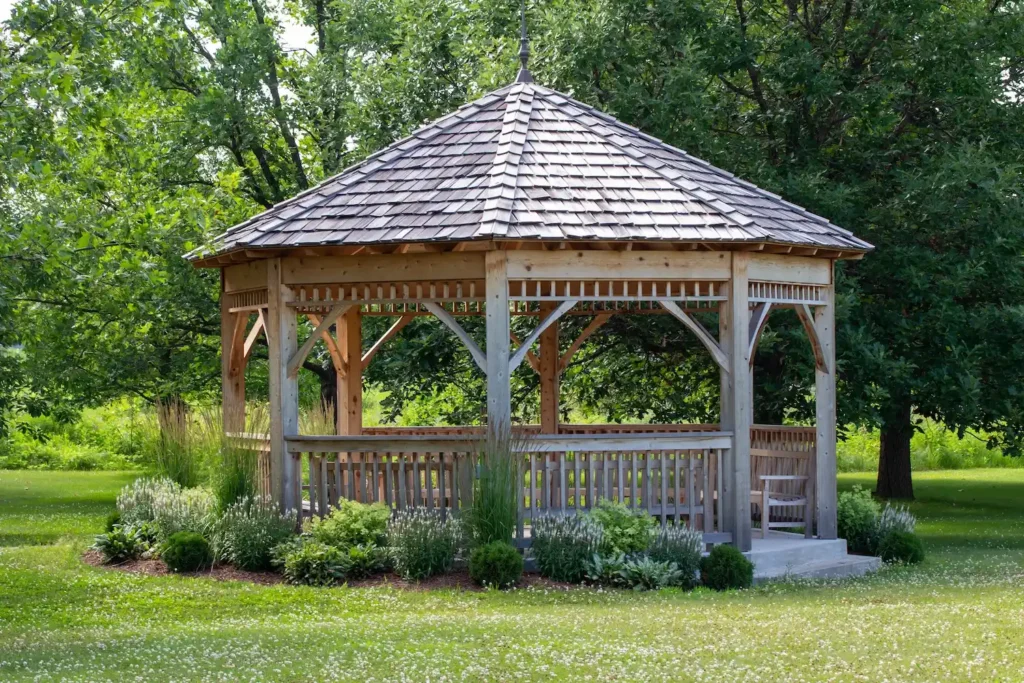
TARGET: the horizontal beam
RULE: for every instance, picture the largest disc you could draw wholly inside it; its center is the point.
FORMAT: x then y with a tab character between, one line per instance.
602	265
617	443
311	270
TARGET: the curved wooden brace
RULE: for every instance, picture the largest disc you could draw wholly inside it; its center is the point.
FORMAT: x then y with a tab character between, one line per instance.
254	333
449	320
803	311
340	366
544	324
757	321
531	357
702	334
385	338
238	354
590	329
325	324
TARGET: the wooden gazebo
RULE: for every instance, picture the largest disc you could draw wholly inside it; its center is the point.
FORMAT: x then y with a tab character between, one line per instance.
529	203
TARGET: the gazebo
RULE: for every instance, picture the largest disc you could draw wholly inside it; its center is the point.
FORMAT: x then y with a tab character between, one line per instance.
526	202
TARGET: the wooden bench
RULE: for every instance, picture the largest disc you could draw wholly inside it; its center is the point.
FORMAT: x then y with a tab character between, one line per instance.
782	477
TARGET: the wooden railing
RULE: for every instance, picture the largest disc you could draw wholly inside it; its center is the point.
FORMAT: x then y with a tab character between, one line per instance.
671	471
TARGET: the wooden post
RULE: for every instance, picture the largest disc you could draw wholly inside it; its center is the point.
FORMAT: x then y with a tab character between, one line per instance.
549	372
825	402
350	383
499	398
232	364
282	342
734	325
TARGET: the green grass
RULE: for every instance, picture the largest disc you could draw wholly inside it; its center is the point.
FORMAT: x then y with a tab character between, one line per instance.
960	616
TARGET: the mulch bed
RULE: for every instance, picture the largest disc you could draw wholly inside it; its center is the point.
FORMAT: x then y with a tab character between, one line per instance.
458	580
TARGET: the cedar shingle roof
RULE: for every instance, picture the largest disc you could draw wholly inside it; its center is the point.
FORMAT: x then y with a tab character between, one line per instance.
528	163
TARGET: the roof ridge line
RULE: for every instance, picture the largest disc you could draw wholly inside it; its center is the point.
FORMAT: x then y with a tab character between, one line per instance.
504	175
359	169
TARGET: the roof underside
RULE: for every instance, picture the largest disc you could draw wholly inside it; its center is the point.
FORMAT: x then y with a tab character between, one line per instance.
528	163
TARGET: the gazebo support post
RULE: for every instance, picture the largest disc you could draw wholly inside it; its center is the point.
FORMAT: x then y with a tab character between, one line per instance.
499	394
549	372
232	365
825	408
736	403
350	378
282	343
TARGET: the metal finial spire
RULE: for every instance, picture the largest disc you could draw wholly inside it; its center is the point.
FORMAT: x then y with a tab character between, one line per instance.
524	47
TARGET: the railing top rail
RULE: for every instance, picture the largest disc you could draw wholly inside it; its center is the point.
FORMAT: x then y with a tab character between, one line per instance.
464	443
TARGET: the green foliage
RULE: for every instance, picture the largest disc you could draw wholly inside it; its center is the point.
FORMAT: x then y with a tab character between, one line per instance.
644	574
193	510
136	500
311	563
903	547
624	530
249	530
118	545
365	559
497	564
605	570
113	520
933	447
422	544
186	551
857	516
352	524
564	544
726	568
681	546
495	507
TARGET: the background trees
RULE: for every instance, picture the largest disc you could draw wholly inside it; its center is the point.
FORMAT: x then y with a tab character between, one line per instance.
134	130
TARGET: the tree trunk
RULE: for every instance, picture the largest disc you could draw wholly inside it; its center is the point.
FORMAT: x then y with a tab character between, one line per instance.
894	478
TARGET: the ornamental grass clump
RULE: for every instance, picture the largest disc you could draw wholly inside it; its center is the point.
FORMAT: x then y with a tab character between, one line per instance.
857	518
250	529
495	507
135	502
562	545
422	543
236	474
681	546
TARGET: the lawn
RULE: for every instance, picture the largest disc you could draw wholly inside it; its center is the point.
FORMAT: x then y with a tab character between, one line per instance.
960	616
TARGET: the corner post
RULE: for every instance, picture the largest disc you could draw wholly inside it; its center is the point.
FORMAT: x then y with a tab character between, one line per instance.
549	372
350	385
499	393
232	364
282	342
737	404
825	409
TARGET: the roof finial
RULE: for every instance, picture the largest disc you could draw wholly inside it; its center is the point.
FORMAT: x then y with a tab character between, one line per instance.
524	47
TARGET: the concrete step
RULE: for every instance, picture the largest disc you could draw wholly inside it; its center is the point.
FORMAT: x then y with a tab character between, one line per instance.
783	553
851	565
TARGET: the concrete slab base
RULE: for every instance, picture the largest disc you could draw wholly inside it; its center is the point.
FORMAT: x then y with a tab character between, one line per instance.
783	555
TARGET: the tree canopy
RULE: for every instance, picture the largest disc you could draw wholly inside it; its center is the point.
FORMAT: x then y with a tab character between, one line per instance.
133	131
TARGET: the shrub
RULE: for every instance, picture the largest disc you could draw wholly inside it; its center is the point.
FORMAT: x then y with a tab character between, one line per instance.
897	518
857	516
605	570
135	502
177	510
562	545
250	529
726	567
901	547
118	545
422	544
113	520
644	573
312	563
625	531
364	560
681	546
495	564
353	524
495	508
186	551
